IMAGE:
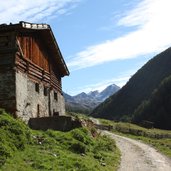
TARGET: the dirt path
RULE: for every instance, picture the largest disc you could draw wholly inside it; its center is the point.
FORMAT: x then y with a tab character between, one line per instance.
137	156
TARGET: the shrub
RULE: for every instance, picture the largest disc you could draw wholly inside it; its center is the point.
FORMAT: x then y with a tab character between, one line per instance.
82	135
104	143
79	147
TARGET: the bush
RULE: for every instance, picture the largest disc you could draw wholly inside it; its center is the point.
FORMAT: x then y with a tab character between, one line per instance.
104	143
79	147
82	135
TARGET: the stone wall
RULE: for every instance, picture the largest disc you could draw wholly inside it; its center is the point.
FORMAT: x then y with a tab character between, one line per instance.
32	103
60	123
57	106
7	83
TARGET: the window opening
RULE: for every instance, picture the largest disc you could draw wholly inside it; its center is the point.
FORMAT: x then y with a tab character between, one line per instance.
55	96
37	87
45	91
38	110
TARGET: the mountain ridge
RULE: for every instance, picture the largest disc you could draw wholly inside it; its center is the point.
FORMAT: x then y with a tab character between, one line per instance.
122	105
86	102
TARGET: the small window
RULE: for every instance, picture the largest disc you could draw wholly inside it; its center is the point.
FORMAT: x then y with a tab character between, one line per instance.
38	110
55	96
45	91
37	87
56	114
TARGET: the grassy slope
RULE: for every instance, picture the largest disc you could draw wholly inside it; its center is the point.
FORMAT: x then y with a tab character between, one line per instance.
160	139
28	150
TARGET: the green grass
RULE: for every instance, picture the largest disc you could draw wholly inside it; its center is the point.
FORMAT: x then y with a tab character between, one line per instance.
76	150
160	139
78	115
15	136
140	131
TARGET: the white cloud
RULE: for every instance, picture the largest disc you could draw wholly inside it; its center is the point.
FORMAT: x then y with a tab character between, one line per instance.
120	81
152	36
32	11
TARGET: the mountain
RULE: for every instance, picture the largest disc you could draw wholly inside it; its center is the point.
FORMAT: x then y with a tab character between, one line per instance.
122	104
103	95
157	109
85	103
93	93
107	92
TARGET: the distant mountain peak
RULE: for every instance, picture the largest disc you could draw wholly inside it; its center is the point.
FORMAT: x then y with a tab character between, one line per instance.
107	91
93	92
90	100
82	94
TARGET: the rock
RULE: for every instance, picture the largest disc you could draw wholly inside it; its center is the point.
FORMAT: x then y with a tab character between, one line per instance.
103	164
55	155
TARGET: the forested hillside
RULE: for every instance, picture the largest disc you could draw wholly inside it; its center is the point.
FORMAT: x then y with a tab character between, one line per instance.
158	108
122	105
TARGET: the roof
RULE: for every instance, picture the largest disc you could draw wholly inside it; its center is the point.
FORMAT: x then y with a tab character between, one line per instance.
46	33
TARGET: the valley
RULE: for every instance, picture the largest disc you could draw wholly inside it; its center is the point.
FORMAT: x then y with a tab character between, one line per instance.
146	97
144	100
85	85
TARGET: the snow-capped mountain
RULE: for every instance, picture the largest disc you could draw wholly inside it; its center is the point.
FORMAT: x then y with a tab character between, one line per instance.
86	102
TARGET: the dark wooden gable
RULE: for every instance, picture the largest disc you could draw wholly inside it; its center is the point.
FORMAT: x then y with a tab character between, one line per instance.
34	50
37	52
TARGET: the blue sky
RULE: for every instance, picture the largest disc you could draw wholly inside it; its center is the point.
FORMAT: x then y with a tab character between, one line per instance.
102	41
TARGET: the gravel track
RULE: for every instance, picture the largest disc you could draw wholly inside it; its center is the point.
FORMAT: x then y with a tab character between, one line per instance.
137	156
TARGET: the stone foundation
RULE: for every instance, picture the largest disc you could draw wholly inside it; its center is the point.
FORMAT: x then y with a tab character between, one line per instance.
60	123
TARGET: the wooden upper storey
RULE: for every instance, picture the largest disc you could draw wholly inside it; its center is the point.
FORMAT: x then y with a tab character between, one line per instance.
36	43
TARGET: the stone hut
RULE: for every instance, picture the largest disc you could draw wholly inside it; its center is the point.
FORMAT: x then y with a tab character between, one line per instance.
31	68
